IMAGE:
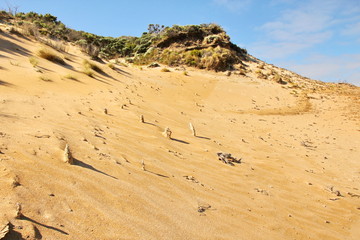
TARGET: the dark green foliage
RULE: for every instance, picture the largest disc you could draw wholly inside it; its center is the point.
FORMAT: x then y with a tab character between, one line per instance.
155	28
202	46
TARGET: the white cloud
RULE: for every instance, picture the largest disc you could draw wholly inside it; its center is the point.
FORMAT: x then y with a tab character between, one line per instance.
296	29
289	45
313	27
341	68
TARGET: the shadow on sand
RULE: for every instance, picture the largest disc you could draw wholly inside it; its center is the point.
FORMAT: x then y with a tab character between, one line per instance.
88	166
43	225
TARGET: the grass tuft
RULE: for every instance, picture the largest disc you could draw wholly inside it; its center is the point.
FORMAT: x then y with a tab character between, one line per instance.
88	72
90	65
34	62
50	56
111	66
71	77
165	70
45	79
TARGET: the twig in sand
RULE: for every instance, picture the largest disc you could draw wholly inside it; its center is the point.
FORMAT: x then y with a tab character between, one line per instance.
143	165
192	129
167	133
18	211
68	156
142	119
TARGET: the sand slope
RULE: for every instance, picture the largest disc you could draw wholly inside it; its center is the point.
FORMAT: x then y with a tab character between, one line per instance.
299	177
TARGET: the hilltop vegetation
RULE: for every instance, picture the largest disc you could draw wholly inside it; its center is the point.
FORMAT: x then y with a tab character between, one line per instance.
205	46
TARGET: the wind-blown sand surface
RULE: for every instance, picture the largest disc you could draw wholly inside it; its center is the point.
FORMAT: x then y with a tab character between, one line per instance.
299	177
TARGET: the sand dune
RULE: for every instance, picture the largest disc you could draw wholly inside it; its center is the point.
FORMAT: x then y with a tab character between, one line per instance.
299	177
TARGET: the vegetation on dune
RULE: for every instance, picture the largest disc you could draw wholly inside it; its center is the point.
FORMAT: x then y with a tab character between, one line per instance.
204	46
90	65
51	56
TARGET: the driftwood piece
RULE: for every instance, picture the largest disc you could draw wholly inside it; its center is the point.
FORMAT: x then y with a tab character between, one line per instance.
228	159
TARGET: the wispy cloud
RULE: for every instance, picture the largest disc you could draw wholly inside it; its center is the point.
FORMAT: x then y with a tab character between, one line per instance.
296	29
345	67
311	27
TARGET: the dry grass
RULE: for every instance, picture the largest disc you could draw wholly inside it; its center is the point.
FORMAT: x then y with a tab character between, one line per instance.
165	70
111	66
71	77
88	72
50	56
34	62
90	65
45	79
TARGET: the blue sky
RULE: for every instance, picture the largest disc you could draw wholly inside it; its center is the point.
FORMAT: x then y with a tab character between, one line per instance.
319	39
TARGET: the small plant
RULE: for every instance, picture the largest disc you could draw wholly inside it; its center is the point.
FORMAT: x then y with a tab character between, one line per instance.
165	70
50	56
45	79
185	73
89	65
34	62
88	72
111	66
71	77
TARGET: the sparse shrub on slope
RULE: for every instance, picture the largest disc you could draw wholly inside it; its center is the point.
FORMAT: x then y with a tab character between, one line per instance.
51	56
202	46
90	65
